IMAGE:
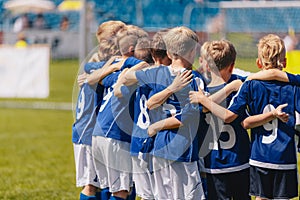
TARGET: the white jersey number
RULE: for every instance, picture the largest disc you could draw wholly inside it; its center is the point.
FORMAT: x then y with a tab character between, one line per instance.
220	127
80	105
143	119
106	98
272	126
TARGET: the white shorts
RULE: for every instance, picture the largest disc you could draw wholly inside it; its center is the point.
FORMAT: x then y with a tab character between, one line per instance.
143	179
85	168
177	180
113	163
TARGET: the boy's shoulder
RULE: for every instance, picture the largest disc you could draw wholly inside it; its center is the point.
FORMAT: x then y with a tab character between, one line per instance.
156	68
237	77
91	66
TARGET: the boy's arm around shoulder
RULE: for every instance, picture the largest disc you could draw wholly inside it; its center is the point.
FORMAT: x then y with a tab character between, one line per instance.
261	119
181	80
276	74
224	114
128	77
168	123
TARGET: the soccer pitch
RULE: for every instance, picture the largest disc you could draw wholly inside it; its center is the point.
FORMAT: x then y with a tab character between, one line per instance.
36	149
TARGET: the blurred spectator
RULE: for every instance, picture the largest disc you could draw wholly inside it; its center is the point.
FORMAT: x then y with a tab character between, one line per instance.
39	22
290	40
64	24
21	23
22	41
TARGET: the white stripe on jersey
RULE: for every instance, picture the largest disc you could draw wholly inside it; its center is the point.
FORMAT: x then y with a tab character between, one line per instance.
272	166
227	170
297	124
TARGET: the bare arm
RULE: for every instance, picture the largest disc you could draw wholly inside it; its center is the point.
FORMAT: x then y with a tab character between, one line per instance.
127	77
270	74
169	123
261	119
224	114
94	58
101	73
227	90
180	81
130	77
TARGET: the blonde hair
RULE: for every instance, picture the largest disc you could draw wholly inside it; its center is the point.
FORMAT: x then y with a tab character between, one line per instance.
180	41
270	50
204	49
221	53
158	46
107	48
109	29
142	50
135	30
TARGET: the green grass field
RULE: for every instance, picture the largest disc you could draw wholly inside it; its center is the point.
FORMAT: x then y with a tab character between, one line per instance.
36	150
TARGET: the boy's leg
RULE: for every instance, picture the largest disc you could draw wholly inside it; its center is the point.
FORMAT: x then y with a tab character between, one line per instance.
239	184
114	156
132	193
143	179
104	194
177	180
217	187
86	197
85	171
186	180
273	184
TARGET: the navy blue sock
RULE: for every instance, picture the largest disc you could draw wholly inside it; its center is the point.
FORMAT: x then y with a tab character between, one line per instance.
104	194
132	194
115	198
85	197
98	195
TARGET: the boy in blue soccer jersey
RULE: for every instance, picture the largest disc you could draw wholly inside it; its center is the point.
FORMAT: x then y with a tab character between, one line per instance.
274	74
140	141
141	176
90	97
273	164
223	91
112	132
226	148
174	151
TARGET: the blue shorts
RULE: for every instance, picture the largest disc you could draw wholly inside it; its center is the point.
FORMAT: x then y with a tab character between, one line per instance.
226	186
272	183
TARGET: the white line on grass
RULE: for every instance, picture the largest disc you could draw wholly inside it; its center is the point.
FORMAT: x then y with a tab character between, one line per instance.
36	105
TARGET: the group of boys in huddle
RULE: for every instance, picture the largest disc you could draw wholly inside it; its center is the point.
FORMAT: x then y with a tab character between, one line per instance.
149	124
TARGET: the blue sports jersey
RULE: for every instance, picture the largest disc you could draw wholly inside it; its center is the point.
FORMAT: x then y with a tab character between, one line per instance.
87	102
272	145
294	79
228	143
142	119
173	144
114	118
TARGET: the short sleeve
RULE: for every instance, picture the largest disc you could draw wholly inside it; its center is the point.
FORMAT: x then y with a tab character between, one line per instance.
239	102
293	79
130	62
90	67
147	77
109	80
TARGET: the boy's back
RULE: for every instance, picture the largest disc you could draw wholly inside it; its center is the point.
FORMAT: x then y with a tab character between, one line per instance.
275	139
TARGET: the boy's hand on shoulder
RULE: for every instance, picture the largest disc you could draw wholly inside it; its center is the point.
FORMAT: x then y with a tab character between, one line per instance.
81	79
197	96
181	80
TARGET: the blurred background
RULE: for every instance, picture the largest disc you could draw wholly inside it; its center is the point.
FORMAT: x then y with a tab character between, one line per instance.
44	43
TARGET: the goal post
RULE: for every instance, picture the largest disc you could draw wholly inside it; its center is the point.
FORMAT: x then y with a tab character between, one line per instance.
244	22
